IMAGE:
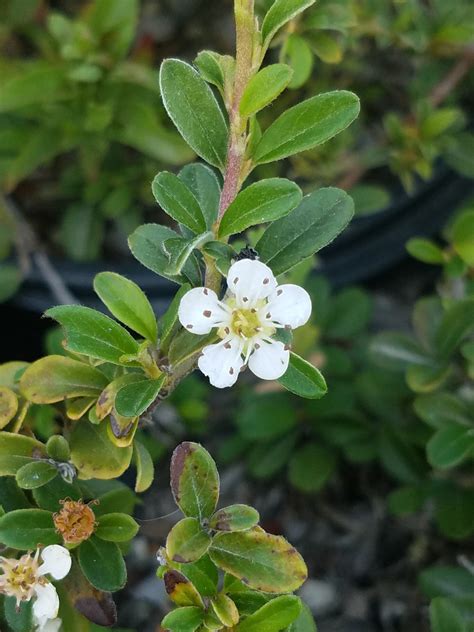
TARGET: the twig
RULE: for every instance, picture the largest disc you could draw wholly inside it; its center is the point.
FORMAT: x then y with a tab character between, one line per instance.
28	245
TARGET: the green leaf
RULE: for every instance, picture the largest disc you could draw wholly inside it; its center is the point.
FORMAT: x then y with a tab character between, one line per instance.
35	474
116	527
187	541
182	590
127	302
146	245
169	322
444	617
37	83
203	183
369	199
203	574
225	610
463	237
102	564
264	87
50	495
91	333
20	619
54	378
454	507
406	500
274	615
194	110
223	255
263	561
303	379
194	480
261	202
26	529
57	448
349	314
145	468
180	249
446	581
425	250
457	323
307	125
94	455
327	47
441	409
186	619
234	518
316	222
281	12
133	399
396	351
450	446
174	197
311	467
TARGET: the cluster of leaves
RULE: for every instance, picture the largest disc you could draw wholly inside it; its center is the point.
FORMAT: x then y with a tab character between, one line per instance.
80	95
111	373
396	57
257	567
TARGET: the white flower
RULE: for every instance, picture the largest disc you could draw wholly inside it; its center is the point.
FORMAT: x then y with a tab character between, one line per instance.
254	307
25	579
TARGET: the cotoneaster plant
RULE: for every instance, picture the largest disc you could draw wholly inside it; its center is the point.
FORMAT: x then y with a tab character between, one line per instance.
229	312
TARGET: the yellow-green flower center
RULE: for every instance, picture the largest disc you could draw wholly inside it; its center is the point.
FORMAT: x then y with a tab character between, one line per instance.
245	323
19	577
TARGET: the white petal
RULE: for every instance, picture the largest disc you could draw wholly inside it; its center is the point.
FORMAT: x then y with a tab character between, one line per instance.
250	281
270	360
49	625
46	604
221	363
200	311
289	305
56	561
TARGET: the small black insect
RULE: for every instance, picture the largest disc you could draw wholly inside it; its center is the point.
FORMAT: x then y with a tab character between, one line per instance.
247	253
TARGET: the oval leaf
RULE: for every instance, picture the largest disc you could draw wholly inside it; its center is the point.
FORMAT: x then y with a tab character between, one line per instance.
186	619
303	379
281	12
205	186
187	542
8	406
261	202
262	561
264	88
277	614
450	446
174	197
26	529
116	527
55	378
127	302
133	399
35	474
234	518
316	222
102	564
192	107
194	480
307	125
145	468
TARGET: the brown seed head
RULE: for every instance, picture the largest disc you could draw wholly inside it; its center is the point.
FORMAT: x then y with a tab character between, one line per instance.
75	521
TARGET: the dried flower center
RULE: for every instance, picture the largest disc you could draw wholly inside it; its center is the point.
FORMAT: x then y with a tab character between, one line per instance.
19	577
75	522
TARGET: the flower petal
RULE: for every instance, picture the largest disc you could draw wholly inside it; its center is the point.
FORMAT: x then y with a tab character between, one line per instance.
222	362
289	305
200	311
49	625
46	604
250	281
270	360
56	561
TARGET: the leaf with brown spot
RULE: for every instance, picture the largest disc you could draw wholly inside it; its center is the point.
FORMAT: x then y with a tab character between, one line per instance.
194	480
187	541
234	518
262	561
181	591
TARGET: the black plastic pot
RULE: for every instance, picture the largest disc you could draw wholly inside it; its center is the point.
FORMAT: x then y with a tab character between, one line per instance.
369	247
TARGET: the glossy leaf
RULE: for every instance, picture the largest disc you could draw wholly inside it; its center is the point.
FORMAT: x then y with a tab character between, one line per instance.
116	527
194	480
26	529
91	333
316	222
127	302
265	562
234	518
94	455
174	197
277	614
133	399
262	202
264	88
307	125
303	379
187	541
102	564
35	474
187	619
194	110
450	446
54	378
